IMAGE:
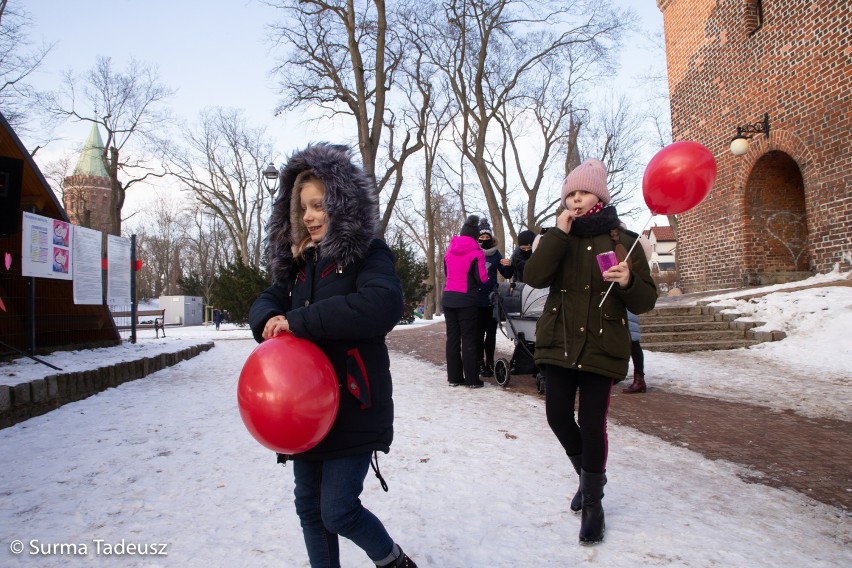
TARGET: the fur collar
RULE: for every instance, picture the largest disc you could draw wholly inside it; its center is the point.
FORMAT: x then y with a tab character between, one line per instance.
350	202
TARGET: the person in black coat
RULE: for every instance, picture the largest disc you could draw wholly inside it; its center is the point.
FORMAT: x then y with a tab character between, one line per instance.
335	284
487	334
520	255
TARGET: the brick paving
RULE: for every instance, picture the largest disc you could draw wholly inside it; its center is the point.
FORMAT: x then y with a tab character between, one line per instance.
781	449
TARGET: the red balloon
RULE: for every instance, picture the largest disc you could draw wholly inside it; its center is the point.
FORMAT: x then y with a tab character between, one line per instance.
288	394
678	178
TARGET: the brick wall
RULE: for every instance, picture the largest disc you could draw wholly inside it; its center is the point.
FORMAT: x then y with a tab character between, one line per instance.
785	206
87	201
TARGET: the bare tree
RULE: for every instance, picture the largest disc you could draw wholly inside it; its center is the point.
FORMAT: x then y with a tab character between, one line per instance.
539	128
431	230
394	163
422	224
18	60
491	50
160	239
207	249
344	58
222	170
614	137
129	106
57	170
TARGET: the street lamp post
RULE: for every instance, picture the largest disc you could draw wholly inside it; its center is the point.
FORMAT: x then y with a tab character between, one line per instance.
270	179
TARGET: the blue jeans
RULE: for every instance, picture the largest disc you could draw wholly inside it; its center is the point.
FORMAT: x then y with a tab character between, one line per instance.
328	504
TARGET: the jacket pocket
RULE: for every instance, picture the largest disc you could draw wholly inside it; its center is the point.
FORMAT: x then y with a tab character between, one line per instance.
357	380
614	335
546	330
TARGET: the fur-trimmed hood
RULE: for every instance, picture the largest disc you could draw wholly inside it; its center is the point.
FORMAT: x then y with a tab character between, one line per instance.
350	202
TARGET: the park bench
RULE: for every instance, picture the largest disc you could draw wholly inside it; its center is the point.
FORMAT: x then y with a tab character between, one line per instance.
159	323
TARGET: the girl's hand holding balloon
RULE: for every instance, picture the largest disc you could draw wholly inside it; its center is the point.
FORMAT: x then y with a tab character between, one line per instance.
288	394
274	326
619	273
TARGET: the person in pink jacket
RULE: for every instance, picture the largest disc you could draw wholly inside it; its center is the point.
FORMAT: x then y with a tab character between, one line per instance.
464	266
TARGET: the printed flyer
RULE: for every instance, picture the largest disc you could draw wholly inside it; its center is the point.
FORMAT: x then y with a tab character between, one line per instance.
46	246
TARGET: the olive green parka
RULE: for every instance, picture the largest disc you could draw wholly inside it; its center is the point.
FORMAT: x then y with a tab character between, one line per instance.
573	332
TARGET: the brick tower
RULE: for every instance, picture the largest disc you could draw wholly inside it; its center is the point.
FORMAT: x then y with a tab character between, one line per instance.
783	210
87	190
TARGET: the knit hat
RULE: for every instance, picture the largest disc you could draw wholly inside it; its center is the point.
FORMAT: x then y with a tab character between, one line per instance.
485	227
589	176
470	227
526	238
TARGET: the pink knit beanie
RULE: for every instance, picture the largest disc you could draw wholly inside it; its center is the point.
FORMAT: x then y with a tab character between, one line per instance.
589	176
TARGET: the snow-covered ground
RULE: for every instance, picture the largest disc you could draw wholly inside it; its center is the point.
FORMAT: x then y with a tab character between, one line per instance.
476	478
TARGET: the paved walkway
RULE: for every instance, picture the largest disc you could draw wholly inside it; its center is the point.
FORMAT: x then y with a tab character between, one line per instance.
780	449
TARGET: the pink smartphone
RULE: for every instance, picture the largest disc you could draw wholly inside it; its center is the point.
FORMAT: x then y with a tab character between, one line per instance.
606	260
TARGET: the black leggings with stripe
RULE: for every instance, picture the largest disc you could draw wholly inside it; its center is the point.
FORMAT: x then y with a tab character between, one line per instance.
589	437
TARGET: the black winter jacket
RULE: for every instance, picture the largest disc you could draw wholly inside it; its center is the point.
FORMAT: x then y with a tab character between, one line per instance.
344	296
492	266
519	261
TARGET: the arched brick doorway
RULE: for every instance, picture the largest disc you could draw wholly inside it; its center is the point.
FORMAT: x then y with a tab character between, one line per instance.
777	235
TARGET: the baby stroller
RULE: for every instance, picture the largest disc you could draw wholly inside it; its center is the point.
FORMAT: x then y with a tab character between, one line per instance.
517	308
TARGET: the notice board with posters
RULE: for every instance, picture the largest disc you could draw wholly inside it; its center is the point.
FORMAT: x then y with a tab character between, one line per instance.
46	247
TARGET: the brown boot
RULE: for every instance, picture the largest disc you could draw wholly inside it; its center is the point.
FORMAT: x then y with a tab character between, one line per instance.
637	386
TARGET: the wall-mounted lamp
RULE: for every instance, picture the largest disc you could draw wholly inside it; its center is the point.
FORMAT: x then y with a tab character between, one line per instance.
270	179
739	145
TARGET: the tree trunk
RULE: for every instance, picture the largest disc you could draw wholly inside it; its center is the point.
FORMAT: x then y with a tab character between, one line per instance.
116	195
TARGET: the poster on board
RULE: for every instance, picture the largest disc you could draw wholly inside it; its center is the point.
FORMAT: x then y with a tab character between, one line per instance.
46	246
118	271
88	282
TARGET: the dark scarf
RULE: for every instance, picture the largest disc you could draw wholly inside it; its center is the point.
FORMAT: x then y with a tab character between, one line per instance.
596	223
599	223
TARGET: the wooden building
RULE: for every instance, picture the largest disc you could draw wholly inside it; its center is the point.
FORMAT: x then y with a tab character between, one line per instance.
37	314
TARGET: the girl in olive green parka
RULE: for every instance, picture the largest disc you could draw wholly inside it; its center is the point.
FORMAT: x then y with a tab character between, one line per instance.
579	345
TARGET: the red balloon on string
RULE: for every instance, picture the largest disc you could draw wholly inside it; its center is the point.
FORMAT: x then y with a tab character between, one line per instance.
678	178
288	394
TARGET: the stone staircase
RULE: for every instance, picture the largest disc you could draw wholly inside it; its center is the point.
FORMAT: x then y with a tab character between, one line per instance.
680	329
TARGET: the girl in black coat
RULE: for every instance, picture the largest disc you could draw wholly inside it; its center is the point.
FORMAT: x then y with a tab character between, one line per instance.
335	284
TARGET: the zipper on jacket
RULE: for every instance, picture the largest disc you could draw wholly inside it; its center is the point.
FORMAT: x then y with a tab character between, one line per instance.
564	330
312	262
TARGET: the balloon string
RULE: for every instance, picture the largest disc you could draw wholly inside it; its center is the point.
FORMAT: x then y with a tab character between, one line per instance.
611	284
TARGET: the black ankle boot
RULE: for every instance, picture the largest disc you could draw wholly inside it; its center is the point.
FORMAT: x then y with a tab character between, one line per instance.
577	501
402	561
592	520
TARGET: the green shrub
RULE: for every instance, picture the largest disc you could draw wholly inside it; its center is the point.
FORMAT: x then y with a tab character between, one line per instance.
412	272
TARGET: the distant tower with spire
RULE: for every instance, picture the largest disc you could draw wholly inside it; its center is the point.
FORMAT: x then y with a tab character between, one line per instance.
87	190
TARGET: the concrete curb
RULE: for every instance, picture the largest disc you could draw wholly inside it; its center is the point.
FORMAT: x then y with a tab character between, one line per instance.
26	400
